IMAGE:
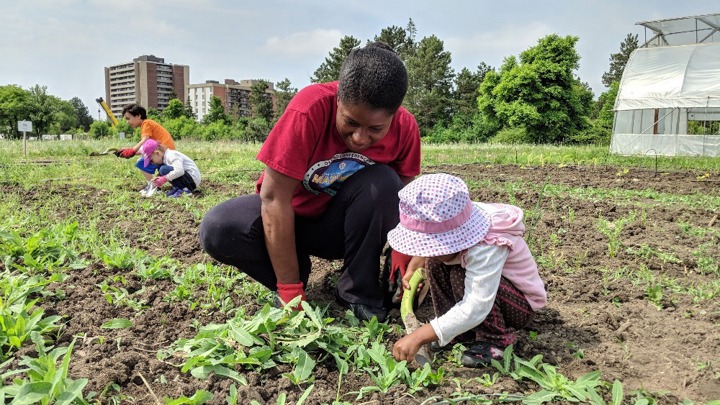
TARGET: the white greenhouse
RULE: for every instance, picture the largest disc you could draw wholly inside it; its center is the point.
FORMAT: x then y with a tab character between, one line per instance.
668	102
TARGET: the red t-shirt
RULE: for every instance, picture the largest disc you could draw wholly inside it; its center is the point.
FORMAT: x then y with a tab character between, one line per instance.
305	145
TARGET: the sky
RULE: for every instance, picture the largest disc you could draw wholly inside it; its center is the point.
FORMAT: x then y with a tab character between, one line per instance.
65	44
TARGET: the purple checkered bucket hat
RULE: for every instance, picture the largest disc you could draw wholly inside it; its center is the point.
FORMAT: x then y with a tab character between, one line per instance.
437	218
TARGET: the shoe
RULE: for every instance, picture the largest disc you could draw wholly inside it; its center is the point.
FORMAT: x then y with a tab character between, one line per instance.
363	312
172	191
150	191
480	354
180	192
144	191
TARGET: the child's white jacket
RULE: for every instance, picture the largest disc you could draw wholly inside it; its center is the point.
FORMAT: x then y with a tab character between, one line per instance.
181	164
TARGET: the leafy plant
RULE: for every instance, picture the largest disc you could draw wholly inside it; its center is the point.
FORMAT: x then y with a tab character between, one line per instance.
556	386
45	381
612	230
200	397
19	317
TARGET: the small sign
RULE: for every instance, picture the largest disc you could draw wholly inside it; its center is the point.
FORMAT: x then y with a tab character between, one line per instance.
121	135
25	126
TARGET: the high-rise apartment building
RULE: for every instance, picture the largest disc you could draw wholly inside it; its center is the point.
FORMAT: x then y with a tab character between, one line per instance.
235	96
148	81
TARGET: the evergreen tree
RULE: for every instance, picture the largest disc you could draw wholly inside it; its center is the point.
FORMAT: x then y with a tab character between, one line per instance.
467	90
188	110
283	94
619	60
83	115
216	112
399	39
261	104
330	69
430	80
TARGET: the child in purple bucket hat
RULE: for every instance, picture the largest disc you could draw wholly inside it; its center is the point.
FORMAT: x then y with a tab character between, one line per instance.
484	282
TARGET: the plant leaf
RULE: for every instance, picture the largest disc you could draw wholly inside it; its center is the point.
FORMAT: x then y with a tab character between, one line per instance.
117	323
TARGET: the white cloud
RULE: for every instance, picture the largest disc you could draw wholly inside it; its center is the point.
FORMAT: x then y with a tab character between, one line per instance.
306	43
509	40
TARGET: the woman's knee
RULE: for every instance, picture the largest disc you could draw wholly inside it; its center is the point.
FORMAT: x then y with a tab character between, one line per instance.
229	222
378	182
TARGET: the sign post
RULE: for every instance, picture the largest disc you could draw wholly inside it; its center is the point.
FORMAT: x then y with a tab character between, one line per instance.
25	127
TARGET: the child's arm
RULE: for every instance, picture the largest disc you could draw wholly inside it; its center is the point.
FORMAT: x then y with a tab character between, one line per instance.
484	264
176	161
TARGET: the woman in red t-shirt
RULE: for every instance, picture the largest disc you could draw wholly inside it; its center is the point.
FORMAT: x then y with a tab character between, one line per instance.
335	162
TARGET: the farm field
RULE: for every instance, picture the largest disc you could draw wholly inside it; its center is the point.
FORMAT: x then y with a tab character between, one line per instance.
107	296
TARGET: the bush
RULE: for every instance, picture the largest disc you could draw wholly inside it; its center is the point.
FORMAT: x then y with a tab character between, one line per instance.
100	129
597	134
257	130
462	129
511	136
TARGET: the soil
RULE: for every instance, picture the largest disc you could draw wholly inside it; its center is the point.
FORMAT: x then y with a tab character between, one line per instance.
670	348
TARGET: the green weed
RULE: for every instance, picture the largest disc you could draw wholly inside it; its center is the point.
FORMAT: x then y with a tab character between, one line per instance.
45	381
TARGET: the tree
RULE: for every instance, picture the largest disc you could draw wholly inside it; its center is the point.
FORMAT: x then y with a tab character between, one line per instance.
14	107
283	94
100	129
174	109
429	82
83	114
539	92
43	106
402	40
330	69
65	117
260	101
619	60
467	90
188	110
216	112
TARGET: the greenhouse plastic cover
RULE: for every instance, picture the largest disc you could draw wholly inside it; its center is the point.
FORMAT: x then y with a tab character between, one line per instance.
671	76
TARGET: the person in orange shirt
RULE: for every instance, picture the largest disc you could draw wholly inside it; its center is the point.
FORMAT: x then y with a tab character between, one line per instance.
136	116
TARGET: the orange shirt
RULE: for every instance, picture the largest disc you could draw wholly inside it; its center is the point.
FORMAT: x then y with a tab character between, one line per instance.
157	132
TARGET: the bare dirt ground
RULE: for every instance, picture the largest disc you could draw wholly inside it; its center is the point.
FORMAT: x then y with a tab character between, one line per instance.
592	322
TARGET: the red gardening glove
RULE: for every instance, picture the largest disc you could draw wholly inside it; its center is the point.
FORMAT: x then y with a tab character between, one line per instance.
127	153
159	181
288	292
398	267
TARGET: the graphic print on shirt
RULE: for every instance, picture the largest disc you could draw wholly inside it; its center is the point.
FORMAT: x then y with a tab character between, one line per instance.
329	175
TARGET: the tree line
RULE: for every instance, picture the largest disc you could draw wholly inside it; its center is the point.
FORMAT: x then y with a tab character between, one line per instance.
534	97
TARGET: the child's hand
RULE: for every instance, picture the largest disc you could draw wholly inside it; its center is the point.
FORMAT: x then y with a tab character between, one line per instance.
407	347
159	181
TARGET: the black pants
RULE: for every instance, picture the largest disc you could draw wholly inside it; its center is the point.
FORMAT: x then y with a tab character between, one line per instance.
184	181
353	228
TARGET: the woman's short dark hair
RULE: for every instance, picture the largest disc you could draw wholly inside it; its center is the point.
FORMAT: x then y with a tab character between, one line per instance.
135	110
373	76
